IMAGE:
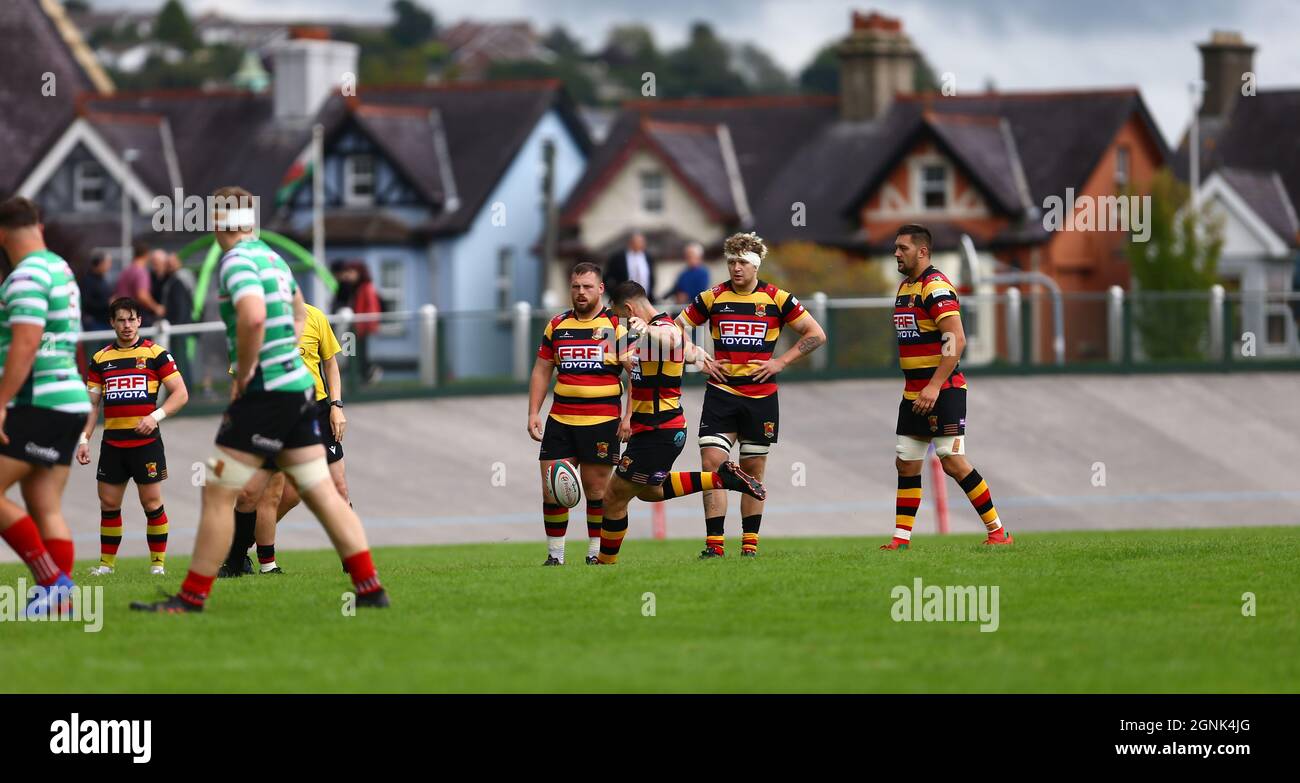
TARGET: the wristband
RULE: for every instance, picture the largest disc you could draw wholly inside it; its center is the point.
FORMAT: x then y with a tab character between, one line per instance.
83	440
159	415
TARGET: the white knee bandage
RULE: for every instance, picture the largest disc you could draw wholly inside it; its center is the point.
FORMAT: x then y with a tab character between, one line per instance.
716	442
911	449
307	474
950	445
754	449
226	472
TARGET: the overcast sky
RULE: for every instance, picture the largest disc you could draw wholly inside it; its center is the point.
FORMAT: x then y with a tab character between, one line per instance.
1018	44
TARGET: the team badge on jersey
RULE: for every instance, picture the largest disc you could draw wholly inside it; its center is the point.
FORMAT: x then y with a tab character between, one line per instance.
602	449
769	429
625	463
140	363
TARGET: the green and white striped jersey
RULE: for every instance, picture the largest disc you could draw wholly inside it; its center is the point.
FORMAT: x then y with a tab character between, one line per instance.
252	268
41	291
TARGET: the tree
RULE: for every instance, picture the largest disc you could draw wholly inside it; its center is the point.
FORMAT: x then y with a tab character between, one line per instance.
173	27
76	6
564	45
822	75
760	72
702	67
412	25
1171	270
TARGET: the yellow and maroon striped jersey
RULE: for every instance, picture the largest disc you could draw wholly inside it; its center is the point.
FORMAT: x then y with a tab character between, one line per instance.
918	309
745	328
128	379
588	389
657	383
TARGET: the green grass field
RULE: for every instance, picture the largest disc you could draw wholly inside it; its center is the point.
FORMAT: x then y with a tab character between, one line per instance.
1144	611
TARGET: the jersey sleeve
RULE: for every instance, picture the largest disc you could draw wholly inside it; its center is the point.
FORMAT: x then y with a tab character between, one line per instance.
94	375
939	299
617	340
697	312
329	343
283	267
239	277
546	351
164	364
27	295
791	308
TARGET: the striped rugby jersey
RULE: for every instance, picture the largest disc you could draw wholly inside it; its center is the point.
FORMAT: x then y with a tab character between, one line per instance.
588	389
129	378
252	268
919	308
41	291
657	383
745	329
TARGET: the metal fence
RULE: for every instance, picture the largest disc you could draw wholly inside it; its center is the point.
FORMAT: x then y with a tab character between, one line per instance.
425	351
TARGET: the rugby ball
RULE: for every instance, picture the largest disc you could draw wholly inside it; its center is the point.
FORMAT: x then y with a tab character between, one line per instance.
562	480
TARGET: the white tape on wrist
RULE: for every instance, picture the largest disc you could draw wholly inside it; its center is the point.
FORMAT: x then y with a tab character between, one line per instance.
159	415
83	440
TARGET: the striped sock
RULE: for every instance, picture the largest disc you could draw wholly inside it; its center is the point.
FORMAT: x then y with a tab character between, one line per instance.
749	532
110	536
195	588
978	492
595	513
365	579
679	484
713	536
611	539
63	553
25	539
906	505
266	554
155	532
556	520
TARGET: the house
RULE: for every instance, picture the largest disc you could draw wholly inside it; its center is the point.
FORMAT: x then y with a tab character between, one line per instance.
436	189
847	170
1249	178
473	46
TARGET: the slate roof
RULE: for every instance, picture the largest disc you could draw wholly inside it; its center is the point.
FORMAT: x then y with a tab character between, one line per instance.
1265	194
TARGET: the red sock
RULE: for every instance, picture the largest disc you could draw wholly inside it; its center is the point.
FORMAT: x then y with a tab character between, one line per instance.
62	551
25	539
362	570
195	588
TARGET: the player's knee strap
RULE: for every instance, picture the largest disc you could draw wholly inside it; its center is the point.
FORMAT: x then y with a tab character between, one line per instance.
750	448
950	445
911	449
716	442
308	474
226	472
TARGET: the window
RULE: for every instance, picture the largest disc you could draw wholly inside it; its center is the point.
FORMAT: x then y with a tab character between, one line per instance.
652	192
391	284
934	186
505	279
359	180
1121	167
87	187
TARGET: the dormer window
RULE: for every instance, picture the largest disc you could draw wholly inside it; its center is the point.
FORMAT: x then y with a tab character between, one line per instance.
934	187
652	192
359	180
88	186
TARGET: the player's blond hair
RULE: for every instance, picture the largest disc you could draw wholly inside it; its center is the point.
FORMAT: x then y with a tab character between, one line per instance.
737	245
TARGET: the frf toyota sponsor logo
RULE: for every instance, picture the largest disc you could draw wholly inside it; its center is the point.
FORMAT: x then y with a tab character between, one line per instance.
126	387
732	332
581	357
905	325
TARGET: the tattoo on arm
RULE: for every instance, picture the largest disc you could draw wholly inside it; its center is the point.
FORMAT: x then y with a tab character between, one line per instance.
809	344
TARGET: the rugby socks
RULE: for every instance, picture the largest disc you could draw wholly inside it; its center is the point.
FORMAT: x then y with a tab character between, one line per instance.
63	553
611	539
905	508
362	570
713	538
23	537
156	533
978	491
749	532
245	535
556	519
110	536
595	513
266	557
195	588
679	484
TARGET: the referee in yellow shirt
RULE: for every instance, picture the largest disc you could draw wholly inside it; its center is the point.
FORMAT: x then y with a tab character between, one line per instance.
260	508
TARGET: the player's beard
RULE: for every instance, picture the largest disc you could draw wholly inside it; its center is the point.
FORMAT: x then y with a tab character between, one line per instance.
586	311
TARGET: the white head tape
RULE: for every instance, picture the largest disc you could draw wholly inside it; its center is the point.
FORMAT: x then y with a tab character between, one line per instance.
750	256
237	220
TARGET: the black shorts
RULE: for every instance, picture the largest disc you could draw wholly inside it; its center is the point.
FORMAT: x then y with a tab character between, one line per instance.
145	464
587	443
333	449
650	455
753	419
266	423
948	417
42	436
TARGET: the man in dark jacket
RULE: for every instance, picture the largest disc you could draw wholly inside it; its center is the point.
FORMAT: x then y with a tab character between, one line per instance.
631	263
96	293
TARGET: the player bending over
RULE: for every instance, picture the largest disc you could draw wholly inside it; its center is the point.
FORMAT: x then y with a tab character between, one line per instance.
658	429
927	318
272	415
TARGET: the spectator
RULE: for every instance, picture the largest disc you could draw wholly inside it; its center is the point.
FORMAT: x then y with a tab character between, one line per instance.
346	277
176	287
96	293
136	282
693	279
631	263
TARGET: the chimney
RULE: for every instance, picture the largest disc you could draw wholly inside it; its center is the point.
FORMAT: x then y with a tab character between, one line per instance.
1225	58
308	68
877	62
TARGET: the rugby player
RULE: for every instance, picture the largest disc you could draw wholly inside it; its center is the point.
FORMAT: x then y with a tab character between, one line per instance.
125	375
927	318
656	361
43	402
271	416
259	509
584	424
746	316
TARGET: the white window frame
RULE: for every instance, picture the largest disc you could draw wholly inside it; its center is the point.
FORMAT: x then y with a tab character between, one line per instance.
352	178
80	180
505	278
921	167
648	194
1123	166
392	296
